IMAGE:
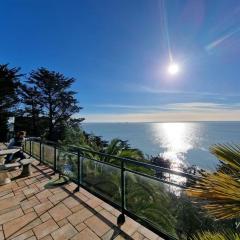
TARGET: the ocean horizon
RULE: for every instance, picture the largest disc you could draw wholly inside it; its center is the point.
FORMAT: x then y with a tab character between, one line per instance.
184	143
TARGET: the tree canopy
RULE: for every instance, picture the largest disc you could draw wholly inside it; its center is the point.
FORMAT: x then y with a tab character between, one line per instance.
45	99
9	82
32	107
55	98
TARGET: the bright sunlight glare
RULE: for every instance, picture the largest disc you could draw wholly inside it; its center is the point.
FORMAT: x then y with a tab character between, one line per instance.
173	69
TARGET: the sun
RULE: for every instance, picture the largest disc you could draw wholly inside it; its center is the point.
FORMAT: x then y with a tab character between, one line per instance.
173	69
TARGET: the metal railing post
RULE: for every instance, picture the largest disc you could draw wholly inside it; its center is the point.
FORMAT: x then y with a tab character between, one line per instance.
40	152
77	189
25	145
81	169
30	148
121	217
55	159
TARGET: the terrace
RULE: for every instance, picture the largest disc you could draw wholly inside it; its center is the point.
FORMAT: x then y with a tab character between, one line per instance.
81	209
29	211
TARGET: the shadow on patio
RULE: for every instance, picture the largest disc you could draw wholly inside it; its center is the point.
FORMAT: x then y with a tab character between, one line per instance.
30	211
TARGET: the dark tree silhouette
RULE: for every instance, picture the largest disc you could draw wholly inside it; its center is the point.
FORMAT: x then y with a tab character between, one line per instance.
9	82
30	97
161	162
58	101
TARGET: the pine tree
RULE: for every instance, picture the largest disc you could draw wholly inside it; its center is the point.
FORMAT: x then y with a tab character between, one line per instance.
30	97
58	101
9	82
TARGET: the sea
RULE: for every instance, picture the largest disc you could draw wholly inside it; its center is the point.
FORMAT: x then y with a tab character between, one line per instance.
183	143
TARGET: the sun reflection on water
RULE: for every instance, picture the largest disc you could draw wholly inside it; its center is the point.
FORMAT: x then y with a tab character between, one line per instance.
176	139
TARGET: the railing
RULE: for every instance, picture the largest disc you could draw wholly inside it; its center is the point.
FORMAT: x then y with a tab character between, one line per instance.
128	185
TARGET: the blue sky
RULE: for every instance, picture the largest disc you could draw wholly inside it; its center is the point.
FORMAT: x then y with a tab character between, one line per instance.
119	52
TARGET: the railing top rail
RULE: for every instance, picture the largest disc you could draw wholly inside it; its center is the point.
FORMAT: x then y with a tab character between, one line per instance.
135	162
127	160
131	161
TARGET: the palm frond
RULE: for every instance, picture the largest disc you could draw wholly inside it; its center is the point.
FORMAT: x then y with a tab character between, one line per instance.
218	192
131	153
217	236
229	155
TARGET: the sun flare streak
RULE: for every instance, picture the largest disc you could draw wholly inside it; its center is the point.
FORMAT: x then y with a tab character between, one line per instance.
164	23
222	39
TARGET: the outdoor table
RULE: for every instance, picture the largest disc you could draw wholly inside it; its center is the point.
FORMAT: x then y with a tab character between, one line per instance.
9	151
5	152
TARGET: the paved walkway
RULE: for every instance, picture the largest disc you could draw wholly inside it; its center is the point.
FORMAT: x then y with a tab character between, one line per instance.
30	211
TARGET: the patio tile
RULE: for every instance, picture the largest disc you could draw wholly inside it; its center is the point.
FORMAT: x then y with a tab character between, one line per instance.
2	235
108	235
30	191
111	218
148	234
32	238
114	233
130	226
97	225
29	203
13	185
137	236
62	222
107	206
11	215
77	208
43	207
86	234
48	237
94	202
79	216
44	194
71	202
59	212
31	181
80	226
120	237
86	193
29	210
65	232
27	227
10	202
3	211
8	186
24	236
21	183
82	196
45	216
41	185
70	186
11	194
5	192
45	228
58	196
13	226
98	208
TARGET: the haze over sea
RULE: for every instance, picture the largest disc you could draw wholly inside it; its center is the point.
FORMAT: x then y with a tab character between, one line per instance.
181	142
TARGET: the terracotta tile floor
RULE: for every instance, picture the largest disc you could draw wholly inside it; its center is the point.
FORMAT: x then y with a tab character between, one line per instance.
29	211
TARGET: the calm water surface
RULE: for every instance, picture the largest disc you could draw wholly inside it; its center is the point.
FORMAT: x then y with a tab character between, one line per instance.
186	143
